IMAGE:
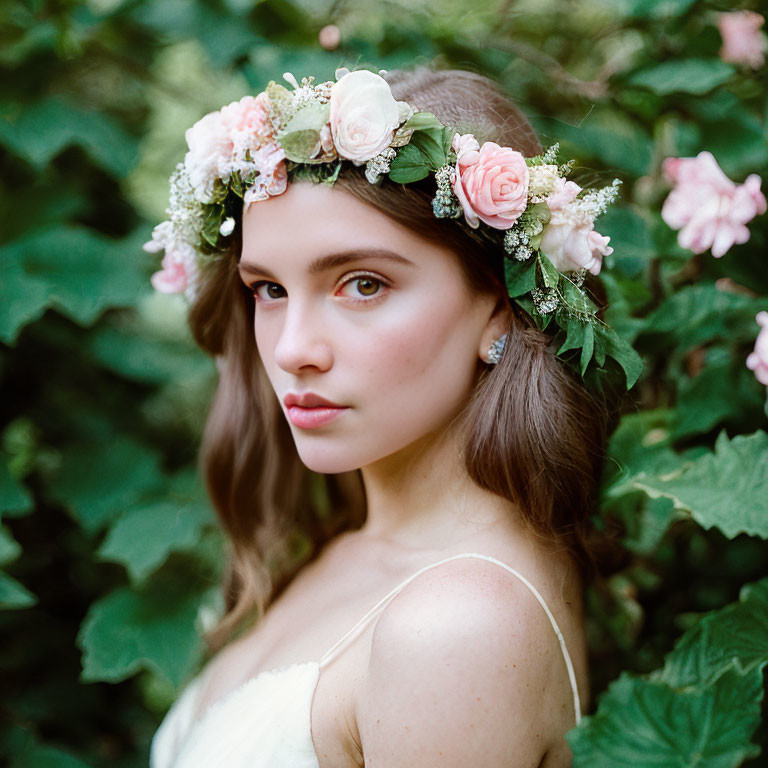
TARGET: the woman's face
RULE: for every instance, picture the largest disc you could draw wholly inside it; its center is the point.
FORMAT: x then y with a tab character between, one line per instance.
356	309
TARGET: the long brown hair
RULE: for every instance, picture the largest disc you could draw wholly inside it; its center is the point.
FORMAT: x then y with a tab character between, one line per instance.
534	434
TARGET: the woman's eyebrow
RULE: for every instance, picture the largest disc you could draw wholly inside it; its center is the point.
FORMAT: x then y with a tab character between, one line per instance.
333	260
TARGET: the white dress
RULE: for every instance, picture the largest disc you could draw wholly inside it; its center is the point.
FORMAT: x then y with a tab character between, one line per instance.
265	722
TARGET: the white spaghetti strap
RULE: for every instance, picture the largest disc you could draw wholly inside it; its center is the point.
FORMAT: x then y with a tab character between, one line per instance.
333	651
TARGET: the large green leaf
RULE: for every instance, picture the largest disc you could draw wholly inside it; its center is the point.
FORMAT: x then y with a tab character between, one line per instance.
41	131
100	482
648	724
143	537
135	355
702	312
723	391
727	489
631	241
73	269
736	634
610	136
683	76
127	631
701	708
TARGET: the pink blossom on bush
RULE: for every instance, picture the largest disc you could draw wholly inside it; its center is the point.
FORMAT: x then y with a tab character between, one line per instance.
491	183
709	209
758	360
743	42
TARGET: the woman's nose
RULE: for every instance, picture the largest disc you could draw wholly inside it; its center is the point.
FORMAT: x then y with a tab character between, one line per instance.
302	344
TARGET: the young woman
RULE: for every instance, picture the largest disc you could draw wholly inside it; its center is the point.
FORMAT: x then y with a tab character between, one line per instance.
382	397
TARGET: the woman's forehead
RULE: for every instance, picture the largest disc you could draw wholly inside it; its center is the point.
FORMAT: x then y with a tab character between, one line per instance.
321	221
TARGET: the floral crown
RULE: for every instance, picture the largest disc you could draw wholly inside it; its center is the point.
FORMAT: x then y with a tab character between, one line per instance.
247	151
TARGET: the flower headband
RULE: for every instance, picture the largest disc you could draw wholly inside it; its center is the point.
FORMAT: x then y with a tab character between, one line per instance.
248	150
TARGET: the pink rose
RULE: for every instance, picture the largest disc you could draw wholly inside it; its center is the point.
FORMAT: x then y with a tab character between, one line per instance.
491	183
223	142
569	240
743	43
363	115
709	209
758	360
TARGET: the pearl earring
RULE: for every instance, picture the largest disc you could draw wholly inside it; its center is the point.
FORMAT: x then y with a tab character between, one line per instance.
495	350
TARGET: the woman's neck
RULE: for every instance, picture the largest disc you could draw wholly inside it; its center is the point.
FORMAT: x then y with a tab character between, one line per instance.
423	497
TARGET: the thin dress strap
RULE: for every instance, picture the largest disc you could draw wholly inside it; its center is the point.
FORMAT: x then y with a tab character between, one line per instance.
338	646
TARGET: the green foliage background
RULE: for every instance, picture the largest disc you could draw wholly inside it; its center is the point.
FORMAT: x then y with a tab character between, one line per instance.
109	549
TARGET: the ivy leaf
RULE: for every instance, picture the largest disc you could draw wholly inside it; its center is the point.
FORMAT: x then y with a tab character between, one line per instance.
100	483
622	352
575	332
727	489
43	130
683	76
10	549
647	724
724	391
146	534
212	217
587	347
14	595
127	631
520	276
73	269
14	497
702	312
409	165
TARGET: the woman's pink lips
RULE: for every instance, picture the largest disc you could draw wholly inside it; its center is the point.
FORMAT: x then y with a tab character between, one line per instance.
317	416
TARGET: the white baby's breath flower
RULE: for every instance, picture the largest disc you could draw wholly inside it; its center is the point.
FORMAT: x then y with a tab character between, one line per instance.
542	181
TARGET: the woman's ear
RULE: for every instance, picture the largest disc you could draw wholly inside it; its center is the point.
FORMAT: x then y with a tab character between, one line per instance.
496	327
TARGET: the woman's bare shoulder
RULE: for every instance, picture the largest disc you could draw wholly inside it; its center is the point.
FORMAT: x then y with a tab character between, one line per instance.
464	667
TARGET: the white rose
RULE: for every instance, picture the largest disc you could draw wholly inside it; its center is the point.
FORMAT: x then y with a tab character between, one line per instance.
363	116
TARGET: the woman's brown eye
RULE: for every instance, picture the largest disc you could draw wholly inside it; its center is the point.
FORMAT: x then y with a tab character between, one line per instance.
274	291
367	286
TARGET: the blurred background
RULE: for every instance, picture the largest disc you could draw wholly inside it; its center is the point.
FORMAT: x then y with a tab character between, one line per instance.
109	550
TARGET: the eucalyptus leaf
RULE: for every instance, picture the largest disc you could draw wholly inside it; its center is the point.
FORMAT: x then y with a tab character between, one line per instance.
423	121
549	272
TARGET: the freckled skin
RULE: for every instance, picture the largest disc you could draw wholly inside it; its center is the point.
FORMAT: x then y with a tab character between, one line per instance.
383	357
